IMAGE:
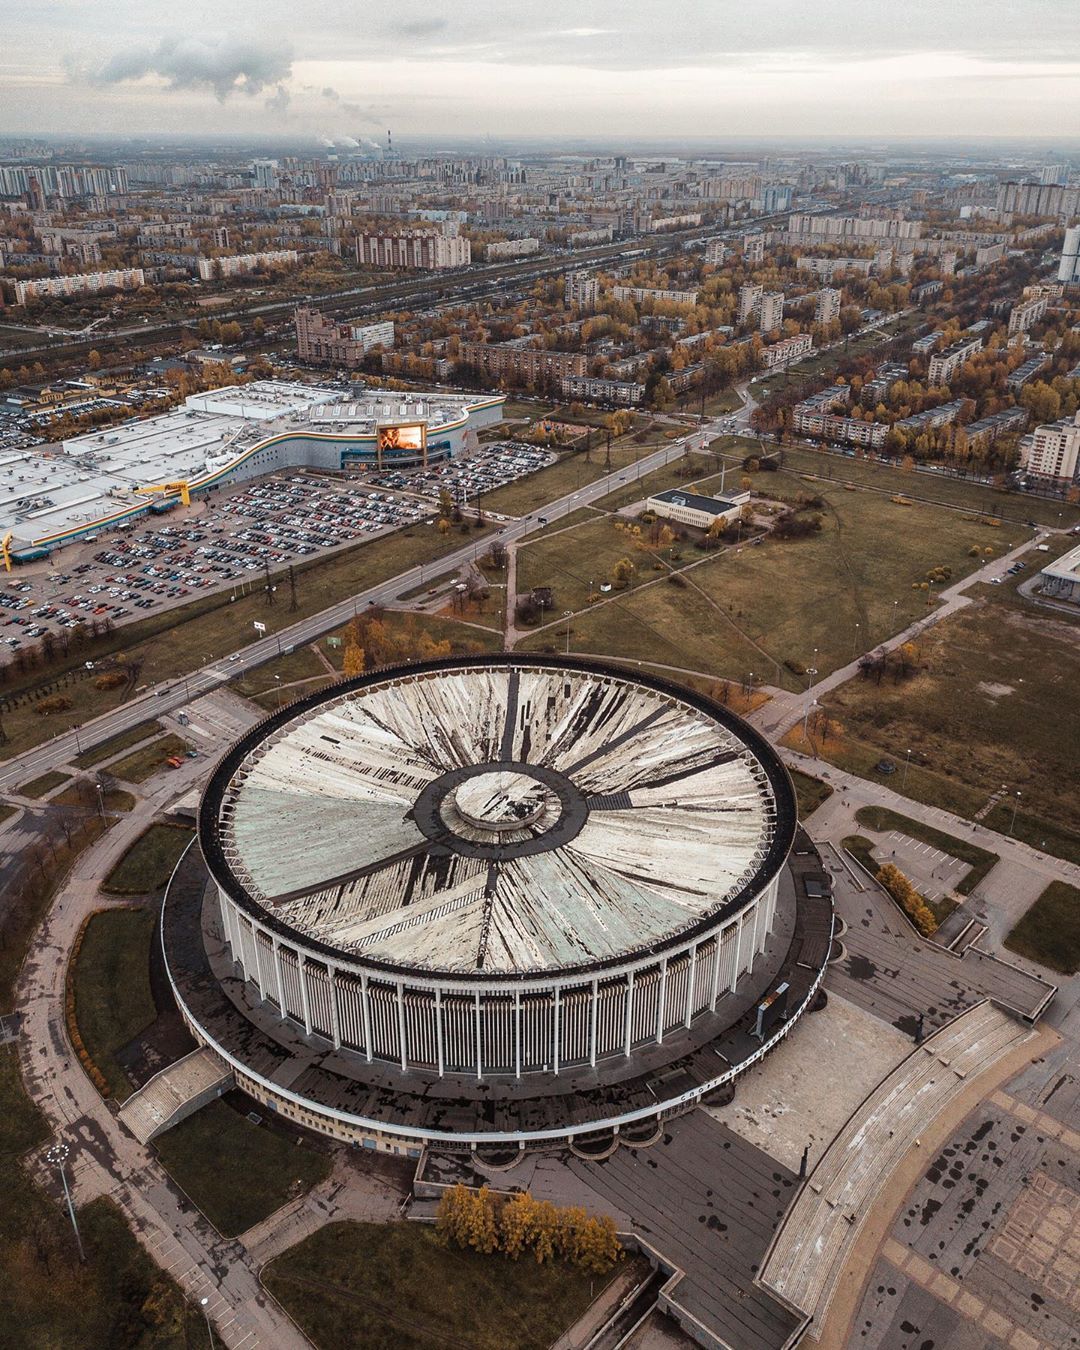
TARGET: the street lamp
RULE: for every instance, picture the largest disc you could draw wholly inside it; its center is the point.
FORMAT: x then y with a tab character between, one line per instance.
903	780
806	715
78	746
1016	803
203	1303
855	643
567	615
57	1155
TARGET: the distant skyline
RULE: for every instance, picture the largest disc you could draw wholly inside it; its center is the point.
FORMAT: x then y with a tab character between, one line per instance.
599	69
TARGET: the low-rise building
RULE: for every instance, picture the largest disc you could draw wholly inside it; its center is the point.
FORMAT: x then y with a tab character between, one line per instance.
943	415
987	430
927	343
640	294
599	389
817	417
1060	579
690	508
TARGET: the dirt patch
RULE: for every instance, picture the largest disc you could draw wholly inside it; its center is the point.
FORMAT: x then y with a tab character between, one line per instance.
995	690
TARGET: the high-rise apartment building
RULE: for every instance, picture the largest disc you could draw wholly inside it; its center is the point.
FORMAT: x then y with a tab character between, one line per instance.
1026	314
264	173
581	289
1069	270
1053	451
944	365
827	305
771	312
749	302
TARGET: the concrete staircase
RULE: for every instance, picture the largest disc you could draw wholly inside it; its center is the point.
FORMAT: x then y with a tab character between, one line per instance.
813	1243
175	1093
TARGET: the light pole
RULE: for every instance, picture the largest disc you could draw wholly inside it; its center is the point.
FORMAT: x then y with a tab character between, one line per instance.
567	615
907	761
78	746
855	643
1016	803
806	715
203	1302
57	1155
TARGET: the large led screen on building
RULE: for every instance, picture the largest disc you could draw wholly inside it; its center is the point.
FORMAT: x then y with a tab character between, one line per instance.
404	436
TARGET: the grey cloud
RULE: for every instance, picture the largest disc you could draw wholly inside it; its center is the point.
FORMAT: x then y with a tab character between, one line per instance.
227	65
421	27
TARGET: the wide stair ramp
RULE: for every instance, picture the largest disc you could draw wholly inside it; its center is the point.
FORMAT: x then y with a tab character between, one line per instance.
175	1093
812	1246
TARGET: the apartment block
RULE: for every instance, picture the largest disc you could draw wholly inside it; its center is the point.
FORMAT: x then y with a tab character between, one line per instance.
1052	451
512	248
782	353
86	283
597	389
322	339
944	365
581	289
527	363
827	305
749	302
425	250
771	313
239	264
1027	314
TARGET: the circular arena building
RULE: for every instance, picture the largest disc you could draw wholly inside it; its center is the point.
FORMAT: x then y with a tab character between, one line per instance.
492	899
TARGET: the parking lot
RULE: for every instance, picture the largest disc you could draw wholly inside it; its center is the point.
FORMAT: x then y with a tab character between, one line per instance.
231	541
490	467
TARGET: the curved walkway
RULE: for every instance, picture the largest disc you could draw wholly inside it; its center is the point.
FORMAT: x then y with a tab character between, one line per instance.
823	1228
105	1159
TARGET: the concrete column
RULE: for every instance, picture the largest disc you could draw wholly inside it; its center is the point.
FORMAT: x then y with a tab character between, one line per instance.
592	1027
366	1009
335	1022
438	1029
304	1001
278	977
479	1047
255	930
517	1033
717	953
690	984
401	1026
629	1012
738	951
660	1001
557	1026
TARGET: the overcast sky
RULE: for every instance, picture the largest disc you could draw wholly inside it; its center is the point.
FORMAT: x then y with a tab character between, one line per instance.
601	68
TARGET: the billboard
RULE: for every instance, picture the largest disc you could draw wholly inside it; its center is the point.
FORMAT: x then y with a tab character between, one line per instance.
410	437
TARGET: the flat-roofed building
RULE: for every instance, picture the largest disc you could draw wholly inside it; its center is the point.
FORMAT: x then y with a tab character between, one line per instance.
581	289
692	508
785	351
320	338
424	250
827	305
531	363
599	389
1027	314
944	365
1060	579
1052	452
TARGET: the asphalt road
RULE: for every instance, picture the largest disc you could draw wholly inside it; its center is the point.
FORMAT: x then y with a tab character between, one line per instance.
176	693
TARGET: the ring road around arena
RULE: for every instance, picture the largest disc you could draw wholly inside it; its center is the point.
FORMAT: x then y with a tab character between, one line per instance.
493	897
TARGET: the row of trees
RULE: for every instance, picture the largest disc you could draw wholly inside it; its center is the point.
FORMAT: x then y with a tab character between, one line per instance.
486	1223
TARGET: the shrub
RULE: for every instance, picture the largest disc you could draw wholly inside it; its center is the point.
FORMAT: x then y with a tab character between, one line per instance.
908	898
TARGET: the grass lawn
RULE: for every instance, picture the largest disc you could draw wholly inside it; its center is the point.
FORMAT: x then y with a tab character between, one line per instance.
40	787
236	1172
148	864
993	706
980	860
116	799
976	497
113	746
181	640
6	811
111	980
359	1286
812	601
47	1298
811	792
143	763
1049	932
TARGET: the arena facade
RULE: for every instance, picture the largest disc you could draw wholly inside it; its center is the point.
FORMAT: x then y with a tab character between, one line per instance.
224	436
540	883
